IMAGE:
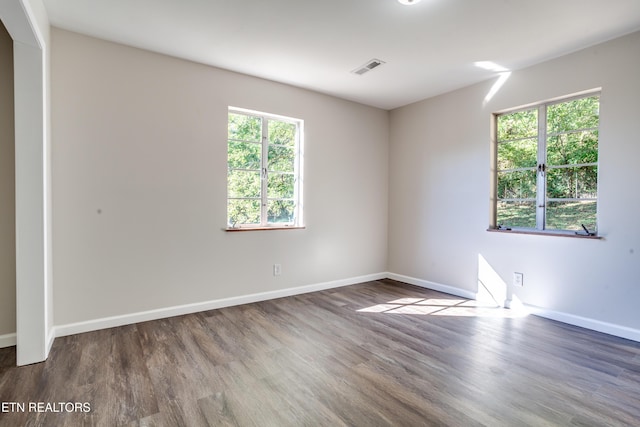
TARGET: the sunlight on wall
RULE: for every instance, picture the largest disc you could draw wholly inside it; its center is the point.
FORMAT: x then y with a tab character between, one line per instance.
491	66
503	76
491	287
496	87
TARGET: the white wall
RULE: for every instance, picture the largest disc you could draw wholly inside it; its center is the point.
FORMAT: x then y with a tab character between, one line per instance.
440	189
139	188
139	184
7	191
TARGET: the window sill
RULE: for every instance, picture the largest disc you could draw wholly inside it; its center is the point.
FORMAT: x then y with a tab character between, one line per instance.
545	233
264	228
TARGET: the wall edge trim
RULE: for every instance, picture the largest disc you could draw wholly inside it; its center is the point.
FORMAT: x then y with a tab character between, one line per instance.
51	336
570	319
162	313
144	316
433	286
586	323
8	340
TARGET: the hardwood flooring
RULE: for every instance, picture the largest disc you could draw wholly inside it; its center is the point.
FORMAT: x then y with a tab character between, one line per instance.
374	354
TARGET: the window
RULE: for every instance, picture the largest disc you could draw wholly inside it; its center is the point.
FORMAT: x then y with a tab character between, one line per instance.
264	170
547	166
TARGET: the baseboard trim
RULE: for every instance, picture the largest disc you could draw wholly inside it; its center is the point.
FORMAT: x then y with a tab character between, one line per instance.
585	322
51	336
571	319
128	319
433	286
8	340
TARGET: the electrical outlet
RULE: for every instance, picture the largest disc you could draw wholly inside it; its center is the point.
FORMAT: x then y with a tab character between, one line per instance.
277	269
518	279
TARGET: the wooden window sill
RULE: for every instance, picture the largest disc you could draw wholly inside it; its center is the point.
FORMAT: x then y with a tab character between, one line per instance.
545	233
264	228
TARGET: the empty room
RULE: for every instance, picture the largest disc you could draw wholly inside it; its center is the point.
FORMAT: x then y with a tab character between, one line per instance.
330	213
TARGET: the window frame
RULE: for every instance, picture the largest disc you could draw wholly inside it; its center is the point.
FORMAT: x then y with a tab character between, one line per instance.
265	173
542	142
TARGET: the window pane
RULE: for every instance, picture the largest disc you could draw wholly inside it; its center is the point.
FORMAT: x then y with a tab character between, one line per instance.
572	183
570	215
573	148
282	133
243	211
280	186
517	185
521	153
577	114
280	211
243	183
281	159
521	124
244	155
245	128
517	214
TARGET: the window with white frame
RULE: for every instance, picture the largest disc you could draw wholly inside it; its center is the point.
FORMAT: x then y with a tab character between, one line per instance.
546	174
264	185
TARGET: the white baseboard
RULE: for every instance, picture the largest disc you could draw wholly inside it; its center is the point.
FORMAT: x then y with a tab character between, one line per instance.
433	286
51	336
583	322
128	319
8	340
587	323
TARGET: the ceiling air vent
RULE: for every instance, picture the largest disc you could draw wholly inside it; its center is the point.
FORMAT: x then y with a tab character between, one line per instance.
368	67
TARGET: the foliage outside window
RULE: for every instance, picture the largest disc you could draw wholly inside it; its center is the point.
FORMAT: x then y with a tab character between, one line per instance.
547	166
263	170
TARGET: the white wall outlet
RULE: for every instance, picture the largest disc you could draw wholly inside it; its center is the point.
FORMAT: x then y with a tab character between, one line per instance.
277	269
518	279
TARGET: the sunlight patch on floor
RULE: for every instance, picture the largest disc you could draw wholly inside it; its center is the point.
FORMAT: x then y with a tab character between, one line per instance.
443	307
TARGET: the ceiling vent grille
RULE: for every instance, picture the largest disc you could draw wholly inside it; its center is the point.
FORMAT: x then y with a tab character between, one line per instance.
368	67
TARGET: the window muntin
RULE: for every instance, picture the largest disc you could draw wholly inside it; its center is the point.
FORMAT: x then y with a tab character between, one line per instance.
263	170
547	166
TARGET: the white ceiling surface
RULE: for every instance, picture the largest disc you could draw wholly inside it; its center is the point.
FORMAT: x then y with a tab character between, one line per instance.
429	48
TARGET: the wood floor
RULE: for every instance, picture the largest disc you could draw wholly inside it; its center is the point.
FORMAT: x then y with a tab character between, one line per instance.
374	354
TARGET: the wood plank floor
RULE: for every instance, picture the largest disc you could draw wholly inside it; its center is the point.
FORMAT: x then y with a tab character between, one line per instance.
374	354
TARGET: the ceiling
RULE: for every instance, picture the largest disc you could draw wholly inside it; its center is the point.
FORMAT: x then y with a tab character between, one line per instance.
428	48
